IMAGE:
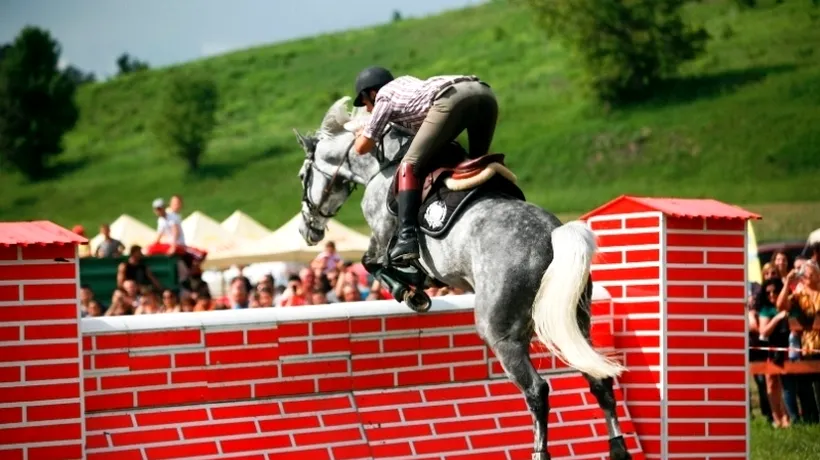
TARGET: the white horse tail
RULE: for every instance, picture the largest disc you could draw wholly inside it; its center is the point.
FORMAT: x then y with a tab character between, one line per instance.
554	311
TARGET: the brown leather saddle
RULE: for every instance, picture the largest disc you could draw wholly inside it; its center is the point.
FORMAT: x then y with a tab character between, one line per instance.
457	169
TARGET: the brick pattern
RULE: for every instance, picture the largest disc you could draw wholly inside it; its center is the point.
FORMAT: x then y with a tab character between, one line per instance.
320	427
41	413
706	338
629	266
181	366
663	338
485	419
297	389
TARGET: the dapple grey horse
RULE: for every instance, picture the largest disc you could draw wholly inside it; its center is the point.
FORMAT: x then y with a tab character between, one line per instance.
527	270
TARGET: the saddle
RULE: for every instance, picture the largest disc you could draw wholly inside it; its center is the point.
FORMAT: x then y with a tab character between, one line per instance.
450	187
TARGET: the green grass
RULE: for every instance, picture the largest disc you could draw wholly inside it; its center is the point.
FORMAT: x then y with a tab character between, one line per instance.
799	442
740	125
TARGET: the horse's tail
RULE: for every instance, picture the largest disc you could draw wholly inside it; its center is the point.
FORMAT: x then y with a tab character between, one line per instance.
555	309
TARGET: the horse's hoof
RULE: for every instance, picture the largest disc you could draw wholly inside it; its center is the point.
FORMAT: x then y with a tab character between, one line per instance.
418	301
618	450
540	456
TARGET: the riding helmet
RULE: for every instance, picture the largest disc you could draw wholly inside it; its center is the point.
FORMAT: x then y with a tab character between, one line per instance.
369	78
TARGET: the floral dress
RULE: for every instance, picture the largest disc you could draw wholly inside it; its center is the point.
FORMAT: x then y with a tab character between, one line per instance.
805	305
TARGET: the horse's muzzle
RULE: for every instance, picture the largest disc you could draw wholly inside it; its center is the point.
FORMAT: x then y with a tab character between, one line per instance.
311	236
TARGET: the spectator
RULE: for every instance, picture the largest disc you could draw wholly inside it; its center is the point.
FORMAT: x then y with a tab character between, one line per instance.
294	295
94	309
132	293
328	259
148	304
781	263
318	297
265	297
120	304
175	206
350	293
86	297
204	302
187	303
239	294
134	269
803	306
170	303
774	332
756	355
109	247
169	227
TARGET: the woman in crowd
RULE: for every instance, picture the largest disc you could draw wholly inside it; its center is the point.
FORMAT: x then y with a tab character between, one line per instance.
774	332
803	305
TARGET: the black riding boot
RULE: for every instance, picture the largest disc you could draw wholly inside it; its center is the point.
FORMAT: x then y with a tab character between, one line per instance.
408	199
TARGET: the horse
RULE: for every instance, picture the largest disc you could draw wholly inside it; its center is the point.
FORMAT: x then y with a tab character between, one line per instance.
528	271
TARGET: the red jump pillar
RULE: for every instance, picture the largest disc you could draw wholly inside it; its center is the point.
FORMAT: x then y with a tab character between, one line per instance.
676	269
41	404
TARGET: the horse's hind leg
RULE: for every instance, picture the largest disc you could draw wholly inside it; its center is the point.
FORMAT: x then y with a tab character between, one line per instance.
515	358
602	390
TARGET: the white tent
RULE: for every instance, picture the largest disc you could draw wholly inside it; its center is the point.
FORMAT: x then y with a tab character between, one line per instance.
286	245
129	231
204	232
244	226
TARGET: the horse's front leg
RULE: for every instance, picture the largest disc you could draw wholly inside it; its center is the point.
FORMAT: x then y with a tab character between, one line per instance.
372	261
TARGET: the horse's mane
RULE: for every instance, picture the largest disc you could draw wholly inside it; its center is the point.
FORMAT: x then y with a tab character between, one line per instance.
337	116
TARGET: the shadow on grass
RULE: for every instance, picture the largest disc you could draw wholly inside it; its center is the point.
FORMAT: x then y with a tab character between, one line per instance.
62	167
237	164
689	89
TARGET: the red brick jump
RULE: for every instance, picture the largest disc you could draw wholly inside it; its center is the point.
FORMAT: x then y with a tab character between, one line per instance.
373	379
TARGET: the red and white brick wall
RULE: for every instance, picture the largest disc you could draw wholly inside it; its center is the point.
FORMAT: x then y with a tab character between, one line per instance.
707	409
629	265
678	302
41	400
344	381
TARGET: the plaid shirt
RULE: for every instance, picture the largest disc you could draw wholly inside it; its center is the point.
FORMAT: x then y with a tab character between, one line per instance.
406	100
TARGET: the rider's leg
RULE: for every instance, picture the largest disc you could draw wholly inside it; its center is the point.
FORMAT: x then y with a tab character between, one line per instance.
481	128
445	120
408	199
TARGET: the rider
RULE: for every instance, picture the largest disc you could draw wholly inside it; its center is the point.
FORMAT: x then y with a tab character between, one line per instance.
437	110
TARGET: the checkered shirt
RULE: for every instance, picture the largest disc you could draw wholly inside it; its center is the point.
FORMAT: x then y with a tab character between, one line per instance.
406	100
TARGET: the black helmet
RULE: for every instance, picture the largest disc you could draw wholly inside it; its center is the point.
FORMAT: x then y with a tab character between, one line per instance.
369	78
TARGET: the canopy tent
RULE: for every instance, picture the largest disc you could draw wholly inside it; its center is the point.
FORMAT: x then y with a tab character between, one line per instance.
285	244
814	237
204	232
129	231
244	226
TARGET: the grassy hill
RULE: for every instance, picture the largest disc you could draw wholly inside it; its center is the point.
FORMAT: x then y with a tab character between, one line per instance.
741	125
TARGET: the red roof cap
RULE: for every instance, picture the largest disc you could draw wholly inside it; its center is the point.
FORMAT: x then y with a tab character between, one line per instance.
676	207
40	232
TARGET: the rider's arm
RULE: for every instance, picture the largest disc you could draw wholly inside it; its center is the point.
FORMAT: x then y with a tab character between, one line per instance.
378	120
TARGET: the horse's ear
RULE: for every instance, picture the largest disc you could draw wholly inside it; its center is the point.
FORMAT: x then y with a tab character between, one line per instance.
303	142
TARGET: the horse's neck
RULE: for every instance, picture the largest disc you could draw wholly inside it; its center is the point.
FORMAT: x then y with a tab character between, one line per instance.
394	150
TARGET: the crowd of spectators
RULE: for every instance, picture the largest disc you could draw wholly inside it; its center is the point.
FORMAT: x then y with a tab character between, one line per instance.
782	325
326	280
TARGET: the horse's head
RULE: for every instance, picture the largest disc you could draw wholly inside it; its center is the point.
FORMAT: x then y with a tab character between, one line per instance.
331	169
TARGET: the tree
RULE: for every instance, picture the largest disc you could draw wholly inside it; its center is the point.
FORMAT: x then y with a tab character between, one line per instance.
78	76
128	64
36	103
187	117
625	47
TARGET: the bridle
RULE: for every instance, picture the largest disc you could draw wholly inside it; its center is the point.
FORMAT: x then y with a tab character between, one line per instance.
315	209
